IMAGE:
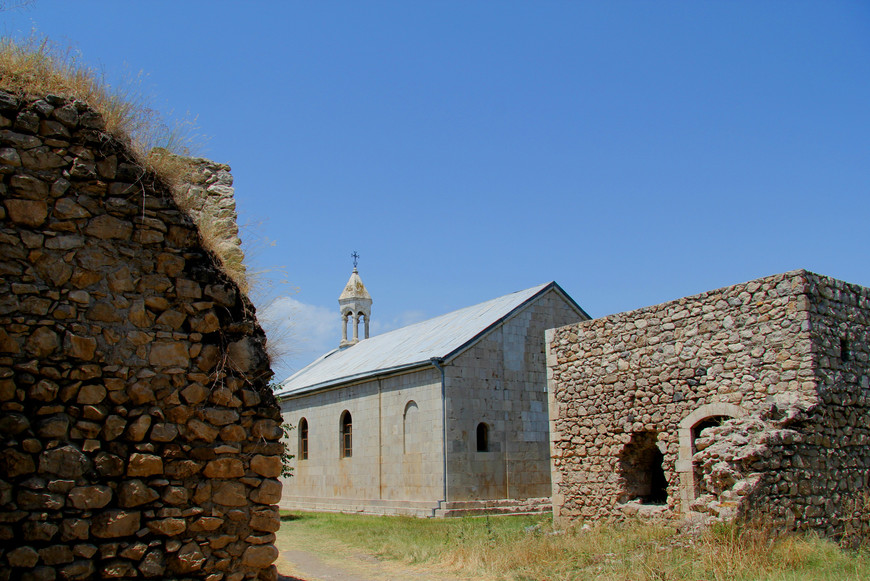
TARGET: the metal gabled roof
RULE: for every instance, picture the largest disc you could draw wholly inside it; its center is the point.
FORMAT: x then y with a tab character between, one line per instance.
411	346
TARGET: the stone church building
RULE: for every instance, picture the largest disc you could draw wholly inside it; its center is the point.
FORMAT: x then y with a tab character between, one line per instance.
440	418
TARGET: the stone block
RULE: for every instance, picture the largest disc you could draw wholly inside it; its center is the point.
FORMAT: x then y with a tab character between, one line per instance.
136	493
224	468
144	465
230	494
268	466
30	213
90	497
260	556
168	526
115	523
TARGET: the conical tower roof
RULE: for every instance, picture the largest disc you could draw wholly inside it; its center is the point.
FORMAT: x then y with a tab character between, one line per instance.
354	289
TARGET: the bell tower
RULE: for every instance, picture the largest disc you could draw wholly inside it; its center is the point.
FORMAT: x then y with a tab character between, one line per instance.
354	303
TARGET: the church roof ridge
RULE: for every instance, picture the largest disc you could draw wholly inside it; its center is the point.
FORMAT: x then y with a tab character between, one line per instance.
414	345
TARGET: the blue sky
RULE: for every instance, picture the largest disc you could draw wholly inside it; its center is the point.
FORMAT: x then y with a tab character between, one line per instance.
635	152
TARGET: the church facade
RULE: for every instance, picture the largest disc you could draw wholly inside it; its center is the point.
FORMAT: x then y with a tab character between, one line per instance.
441	418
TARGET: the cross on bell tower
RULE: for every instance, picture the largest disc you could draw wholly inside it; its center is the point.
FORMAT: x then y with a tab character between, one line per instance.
355	303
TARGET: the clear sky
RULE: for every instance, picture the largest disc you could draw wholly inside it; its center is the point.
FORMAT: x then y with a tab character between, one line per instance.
634	152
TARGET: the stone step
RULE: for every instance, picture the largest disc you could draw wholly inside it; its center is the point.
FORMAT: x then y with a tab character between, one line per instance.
456	513
422	509
419	508
493	507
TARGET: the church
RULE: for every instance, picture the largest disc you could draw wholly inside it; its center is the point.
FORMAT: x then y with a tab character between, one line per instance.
446	417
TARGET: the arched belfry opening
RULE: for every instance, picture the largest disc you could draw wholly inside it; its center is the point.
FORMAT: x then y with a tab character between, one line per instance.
641	470
355	305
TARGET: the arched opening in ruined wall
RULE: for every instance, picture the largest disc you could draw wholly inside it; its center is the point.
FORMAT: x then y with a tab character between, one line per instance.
697	432
641	470
690	429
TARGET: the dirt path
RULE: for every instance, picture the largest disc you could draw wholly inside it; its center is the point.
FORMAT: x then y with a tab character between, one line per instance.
331	560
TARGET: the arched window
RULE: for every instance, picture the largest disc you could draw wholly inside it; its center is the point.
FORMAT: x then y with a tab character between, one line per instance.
303	439
410	429
346	435
482	437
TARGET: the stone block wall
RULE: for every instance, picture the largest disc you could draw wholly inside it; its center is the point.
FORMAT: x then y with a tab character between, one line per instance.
138	437
397	462
735	401
501	381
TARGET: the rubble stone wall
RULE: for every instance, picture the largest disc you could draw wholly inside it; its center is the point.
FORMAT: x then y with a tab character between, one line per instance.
756	364
804	463
209	198
837	478
138	437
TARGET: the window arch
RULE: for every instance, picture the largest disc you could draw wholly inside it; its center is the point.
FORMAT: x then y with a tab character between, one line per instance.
303	439
346	444
410	429
482	437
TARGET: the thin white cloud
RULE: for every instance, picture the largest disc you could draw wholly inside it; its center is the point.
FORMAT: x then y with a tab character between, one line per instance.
298	333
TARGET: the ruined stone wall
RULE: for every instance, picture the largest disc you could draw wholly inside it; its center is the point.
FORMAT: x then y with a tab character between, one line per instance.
209	198
834	471
803	463
138	438
633	389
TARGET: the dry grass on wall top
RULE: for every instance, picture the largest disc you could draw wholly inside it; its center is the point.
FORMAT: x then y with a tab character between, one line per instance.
38	66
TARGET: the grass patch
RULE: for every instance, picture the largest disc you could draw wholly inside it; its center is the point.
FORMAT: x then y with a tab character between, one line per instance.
525	548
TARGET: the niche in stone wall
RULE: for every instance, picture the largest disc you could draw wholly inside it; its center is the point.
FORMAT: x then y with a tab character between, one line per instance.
641	471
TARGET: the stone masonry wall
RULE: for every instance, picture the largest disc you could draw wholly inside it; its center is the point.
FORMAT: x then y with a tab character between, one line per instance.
803	465
138	438
501	381
625	384
397	463
836	478
755	396
209	198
